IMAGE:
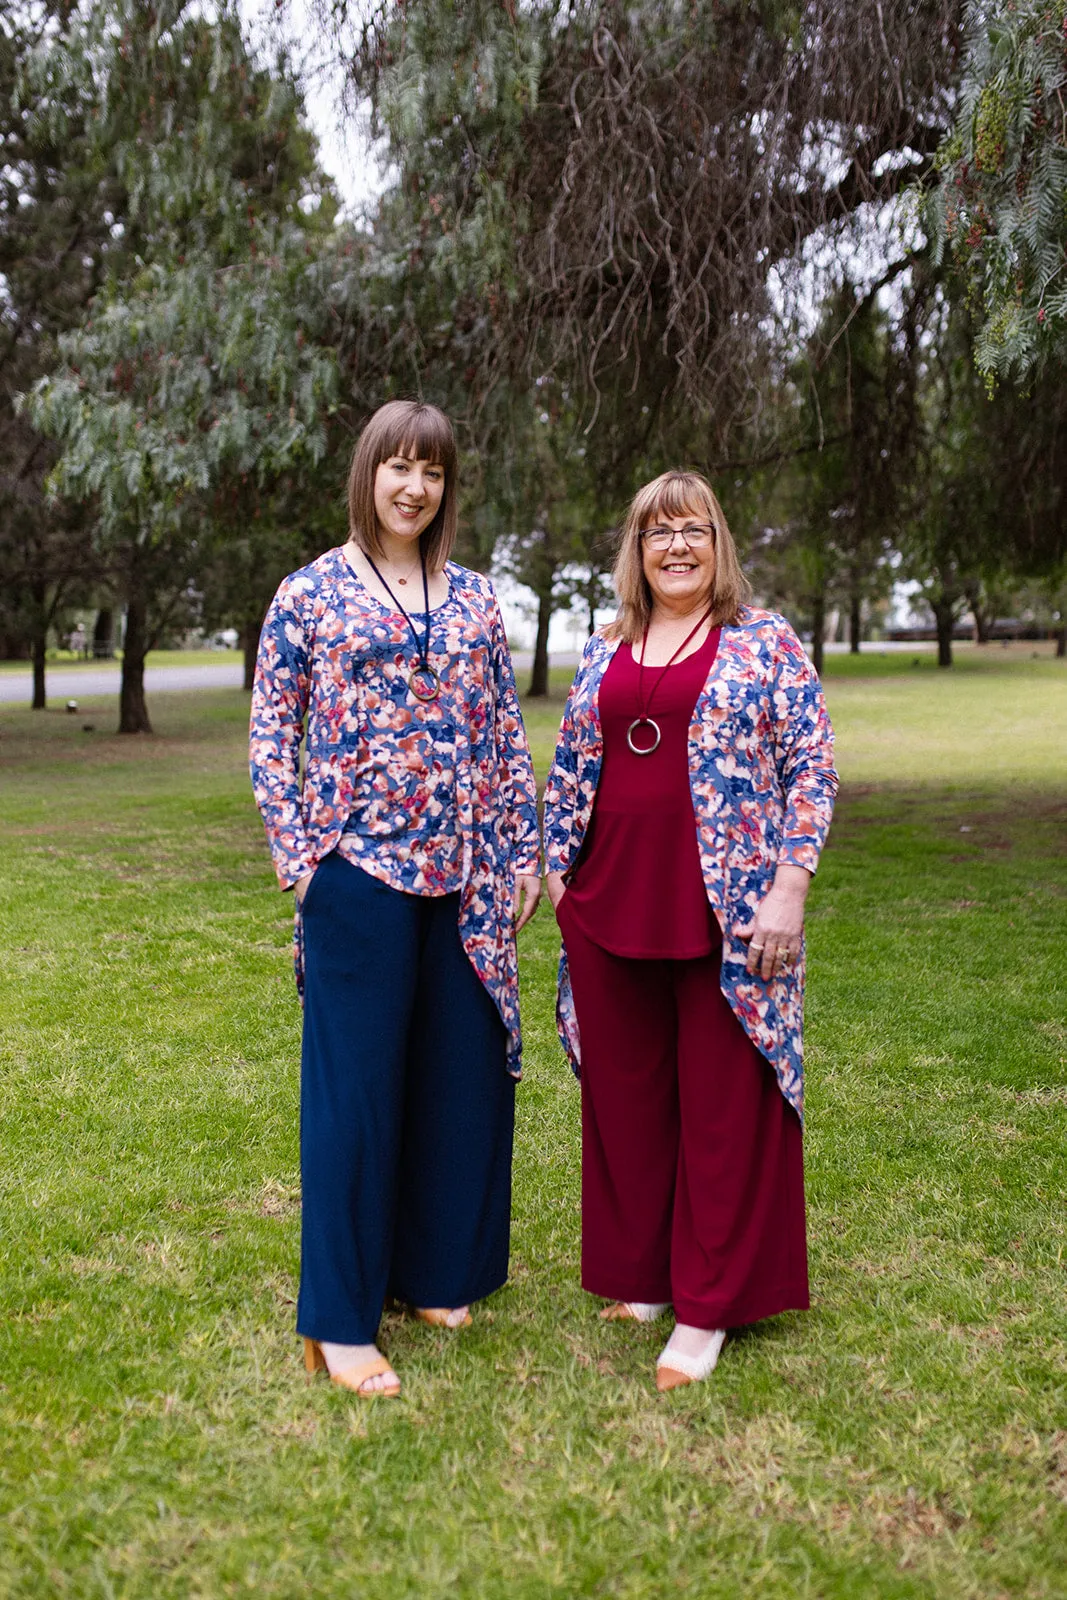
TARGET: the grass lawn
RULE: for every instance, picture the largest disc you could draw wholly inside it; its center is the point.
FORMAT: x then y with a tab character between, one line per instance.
905	1438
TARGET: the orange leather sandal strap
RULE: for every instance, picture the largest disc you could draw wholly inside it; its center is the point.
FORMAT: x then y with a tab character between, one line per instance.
618	1311
437	1317
354	1377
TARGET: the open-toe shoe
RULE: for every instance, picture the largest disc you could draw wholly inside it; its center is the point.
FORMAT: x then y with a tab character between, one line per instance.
437	1317
673	1369
356	1376
633	1311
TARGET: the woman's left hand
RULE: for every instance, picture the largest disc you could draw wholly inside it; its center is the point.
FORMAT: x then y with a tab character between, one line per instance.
527	894
777	931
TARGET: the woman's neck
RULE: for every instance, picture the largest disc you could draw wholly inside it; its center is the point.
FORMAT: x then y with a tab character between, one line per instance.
665	616
403	555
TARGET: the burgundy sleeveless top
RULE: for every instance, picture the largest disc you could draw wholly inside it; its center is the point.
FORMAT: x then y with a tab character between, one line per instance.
637	889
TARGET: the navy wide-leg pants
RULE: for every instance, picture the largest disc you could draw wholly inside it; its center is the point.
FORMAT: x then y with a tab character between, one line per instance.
406	1109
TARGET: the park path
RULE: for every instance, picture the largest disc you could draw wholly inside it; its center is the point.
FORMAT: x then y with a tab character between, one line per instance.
68	683
71	682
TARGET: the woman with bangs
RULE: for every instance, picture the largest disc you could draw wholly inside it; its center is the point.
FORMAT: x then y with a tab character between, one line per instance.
689	798
411	843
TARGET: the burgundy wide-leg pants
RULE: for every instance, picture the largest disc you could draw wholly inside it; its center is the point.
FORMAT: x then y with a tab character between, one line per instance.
692	1160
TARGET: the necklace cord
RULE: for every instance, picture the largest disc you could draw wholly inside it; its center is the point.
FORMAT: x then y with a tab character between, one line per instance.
422	656
644	708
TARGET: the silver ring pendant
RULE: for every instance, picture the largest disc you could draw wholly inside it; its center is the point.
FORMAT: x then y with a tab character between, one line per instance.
417	676
645	722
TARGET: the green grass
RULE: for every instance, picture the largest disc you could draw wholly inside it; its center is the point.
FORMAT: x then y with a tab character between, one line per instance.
905	1438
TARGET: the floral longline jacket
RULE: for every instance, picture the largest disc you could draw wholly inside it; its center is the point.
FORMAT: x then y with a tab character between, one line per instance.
762	777
317	633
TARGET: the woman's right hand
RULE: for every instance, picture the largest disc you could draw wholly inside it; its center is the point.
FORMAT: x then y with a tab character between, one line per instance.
300	888
555	887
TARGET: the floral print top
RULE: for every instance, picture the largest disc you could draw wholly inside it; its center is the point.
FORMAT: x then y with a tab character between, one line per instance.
403	827
762	778
331	676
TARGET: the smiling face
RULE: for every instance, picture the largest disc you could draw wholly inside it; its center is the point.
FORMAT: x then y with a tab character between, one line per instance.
407	495
681	578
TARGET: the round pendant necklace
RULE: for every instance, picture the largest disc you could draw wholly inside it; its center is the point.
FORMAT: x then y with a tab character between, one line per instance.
643	720
423	681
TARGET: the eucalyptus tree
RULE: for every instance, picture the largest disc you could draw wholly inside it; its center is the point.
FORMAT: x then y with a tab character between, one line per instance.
988	502
56	223
844	482
201	356
1000	209
634	192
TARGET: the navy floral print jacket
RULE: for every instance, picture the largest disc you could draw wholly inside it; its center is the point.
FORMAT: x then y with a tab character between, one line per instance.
309	690
762	777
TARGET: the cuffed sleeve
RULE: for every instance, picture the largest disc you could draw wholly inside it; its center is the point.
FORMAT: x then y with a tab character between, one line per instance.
279	705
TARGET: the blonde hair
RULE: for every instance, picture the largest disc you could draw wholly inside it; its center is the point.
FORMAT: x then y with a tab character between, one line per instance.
676	493
423	433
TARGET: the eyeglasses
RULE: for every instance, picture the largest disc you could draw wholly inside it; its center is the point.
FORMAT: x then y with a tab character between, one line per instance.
697	537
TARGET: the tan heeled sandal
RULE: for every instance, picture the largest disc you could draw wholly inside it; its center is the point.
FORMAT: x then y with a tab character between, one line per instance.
353	1377
632	1311
437	1317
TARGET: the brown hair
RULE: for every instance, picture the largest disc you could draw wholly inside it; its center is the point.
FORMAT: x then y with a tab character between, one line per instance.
421	432
673	494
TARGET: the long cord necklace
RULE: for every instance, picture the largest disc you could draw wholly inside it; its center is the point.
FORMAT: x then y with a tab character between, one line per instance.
644	706
423	680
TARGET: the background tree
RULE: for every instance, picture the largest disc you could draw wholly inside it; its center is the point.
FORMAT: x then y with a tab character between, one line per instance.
987	505
57	230
199	366
842	487
620	187
999	209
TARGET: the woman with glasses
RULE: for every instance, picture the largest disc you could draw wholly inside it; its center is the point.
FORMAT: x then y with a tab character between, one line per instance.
410	839
689	798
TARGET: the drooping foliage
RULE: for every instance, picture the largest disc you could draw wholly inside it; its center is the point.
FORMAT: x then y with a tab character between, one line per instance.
201	362
630	191
612	239
56	200
1000	211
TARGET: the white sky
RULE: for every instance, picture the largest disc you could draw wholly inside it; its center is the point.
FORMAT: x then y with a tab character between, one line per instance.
345	147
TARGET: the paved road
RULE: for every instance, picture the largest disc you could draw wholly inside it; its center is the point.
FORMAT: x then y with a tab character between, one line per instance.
67	683
70	683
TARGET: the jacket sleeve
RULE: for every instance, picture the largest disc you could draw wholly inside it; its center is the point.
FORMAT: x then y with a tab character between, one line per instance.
804	753
517	773
279	704
561	790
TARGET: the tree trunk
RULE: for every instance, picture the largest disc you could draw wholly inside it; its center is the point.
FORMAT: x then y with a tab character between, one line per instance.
1061	643
983	623
539	675
104	635
40	618
855	624
944	617
249	643
40	645
818	630
133	713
